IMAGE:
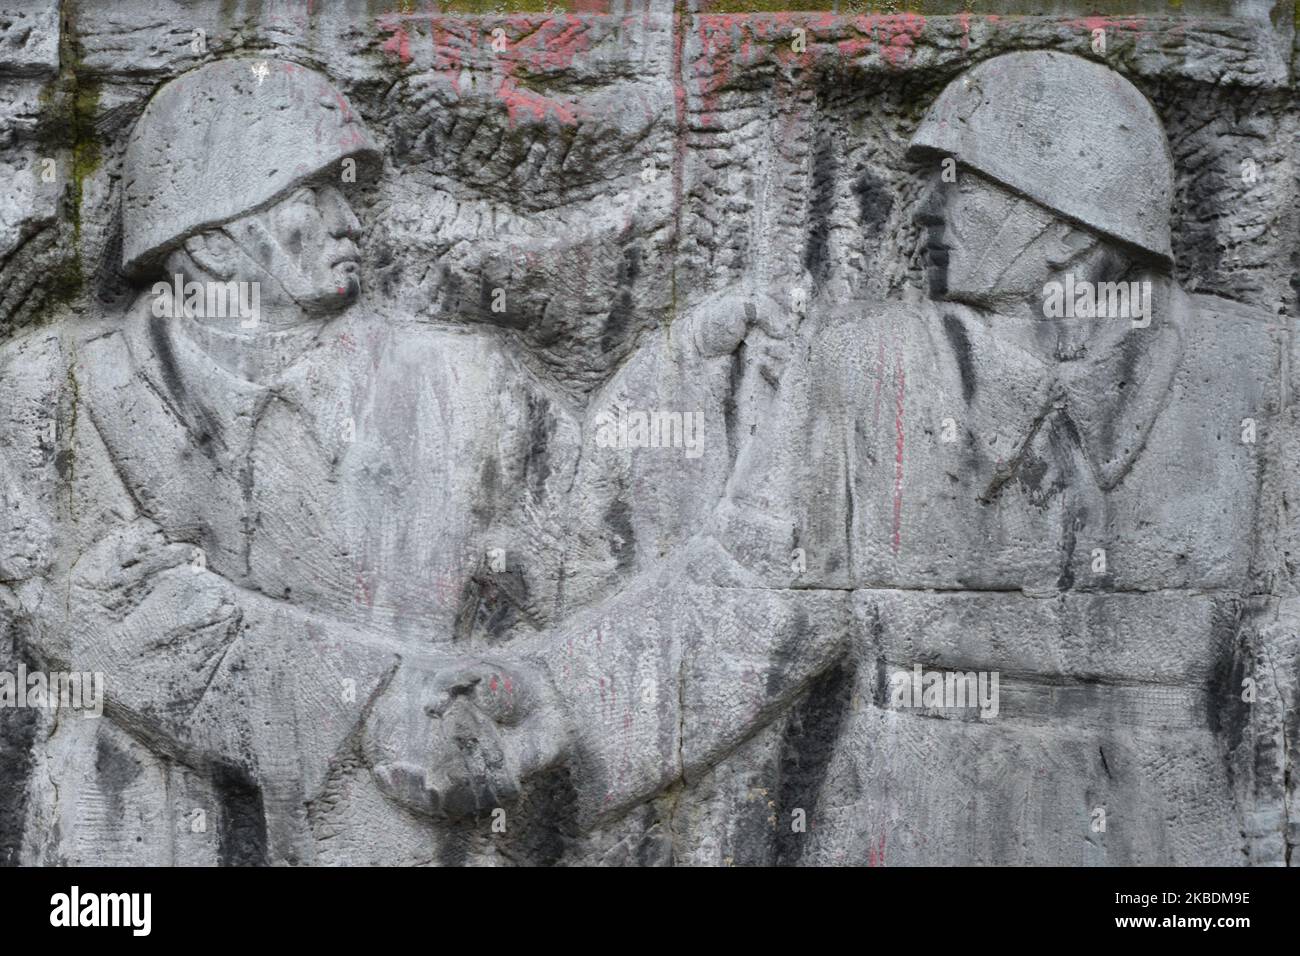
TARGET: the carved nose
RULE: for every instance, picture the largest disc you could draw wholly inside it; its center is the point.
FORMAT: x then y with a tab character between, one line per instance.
459	684
340	221
930	211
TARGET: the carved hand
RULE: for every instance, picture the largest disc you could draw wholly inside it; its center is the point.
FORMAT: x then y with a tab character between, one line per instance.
459	740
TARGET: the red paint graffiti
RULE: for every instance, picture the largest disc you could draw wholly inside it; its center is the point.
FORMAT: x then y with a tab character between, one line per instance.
898	454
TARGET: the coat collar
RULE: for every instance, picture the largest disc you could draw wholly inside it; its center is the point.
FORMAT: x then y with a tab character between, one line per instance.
218	406
1112	395
1116	392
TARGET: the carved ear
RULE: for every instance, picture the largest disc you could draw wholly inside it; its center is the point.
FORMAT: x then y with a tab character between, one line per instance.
1072	244
214	252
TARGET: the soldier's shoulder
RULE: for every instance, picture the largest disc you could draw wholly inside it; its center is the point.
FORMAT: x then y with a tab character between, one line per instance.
1223	307
1213	311
39	346
1229	330
32	365
1229	346
847	343
859	321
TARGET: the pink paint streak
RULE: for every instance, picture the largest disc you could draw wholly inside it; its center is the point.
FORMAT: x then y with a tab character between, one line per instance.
545	44
898	455
876	855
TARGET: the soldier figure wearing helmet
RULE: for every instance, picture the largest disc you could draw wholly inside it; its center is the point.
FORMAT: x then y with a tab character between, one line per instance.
1006	492
974	486
274	524
967	484
276	530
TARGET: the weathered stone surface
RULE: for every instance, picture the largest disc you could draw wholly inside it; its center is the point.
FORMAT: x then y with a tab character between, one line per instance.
592	454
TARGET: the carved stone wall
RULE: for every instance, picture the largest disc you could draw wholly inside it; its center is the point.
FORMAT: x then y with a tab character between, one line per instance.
385	570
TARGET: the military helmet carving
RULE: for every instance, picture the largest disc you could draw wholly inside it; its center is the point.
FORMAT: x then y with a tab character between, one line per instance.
282	122
1068	133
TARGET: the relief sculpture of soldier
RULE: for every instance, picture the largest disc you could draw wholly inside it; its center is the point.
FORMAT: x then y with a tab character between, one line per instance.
1011	484
263	500
266	505
988	482
973	482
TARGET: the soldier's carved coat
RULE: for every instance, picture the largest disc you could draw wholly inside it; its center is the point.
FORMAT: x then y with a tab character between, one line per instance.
984	554
343	513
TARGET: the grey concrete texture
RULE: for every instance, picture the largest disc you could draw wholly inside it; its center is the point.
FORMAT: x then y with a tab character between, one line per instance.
500	436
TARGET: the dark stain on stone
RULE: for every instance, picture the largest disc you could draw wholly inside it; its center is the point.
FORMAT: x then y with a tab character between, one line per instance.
401	142
1132	351
1228	715
788	652
1063	439
537	464
116	769
816	250
735	375
111	287
489	492
619	319
63	462
17	736
880	687
491	603
811	735
511	318
874	201
1069	539
654	848
162	347
1032	471
750	835
241	830
454	851
545	822
622	541
206	429
450	289
961	348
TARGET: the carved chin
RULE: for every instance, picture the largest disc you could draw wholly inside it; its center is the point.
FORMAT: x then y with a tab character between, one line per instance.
936	277
344	293
349	289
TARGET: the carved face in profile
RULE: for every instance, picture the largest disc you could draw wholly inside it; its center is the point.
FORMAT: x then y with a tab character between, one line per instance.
307	243
985	244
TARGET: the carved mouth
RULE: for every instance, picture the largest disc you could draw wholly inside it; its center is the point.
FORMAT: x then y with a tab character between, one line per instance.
347	254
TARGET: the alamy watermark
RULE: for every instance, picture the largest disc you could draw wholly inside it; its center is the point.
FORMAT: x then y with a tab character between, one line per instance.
944	690
50	691
208	300
653	428
76	909
1082	299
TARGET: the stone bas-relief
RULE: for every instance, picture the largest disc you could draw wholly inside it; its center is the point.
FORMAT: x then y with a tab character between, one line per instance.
398	542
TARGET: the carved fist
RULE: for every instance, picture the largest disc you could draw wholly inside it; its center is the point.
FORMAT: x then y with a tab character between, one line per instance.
459	740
